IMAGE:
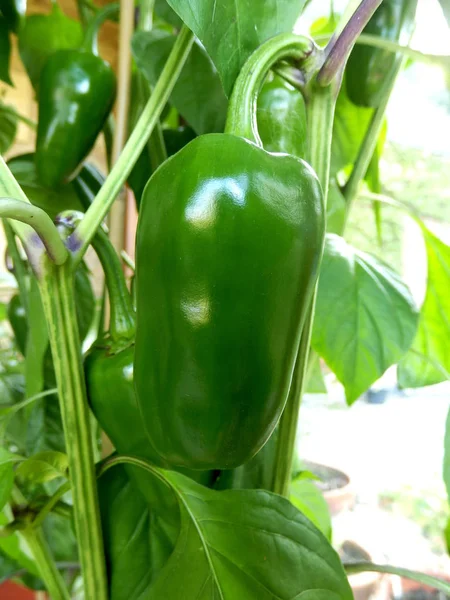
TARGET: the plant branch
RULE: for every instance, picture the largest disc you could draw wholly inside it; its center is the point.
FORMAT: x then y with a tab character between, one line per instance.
338	50
370	140
35	540
82	236
363	567
58	300
40	221
20	272
320	113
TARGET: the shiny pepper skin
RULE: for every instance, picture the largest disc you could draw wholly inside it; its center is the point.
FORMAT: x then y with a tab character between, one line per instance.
76	94
368	67
229	243
281	118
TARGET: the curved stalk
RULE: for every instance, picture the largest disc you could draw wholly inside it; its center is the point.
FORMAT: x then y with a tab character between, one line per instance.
428	580
241	115
40	222
90	42
56	287
82	236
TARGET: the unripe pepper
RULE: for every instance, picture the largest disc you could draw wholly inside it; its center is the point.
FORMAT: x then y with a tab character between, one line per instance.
282	118
368	67
76	95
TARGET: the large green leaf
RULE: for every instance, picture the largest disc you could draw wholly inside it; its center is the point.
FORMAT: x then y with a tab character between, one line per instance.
307	497
231	31
5	51
365	316
42	35
198	94
8	127
268	551
428	360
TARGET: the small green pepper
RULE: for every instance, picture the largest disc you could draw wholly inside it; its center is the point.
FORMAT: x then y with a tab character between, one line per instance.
368	67
76	95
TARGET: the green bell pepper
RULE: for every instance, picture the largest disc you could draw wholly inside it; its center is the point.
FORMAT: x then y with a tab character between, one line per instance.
368	67
229	242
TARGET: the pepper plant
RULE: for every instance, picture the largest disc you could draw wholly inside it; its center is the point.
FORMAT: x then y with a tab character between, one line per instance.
244	160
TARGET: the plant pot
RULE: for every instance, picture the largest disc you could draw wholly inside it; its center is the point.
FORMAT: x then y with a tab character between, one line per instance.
335	486
405	589
13	591
364	585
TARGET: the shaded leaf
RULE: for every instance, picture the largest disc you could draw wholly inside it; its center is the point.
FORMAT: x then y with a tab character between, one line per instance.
15	550
198	94
365	316
7	461
231	31
8	127
44	467
336	209
428	360
305	496
446	468
42	35
164	12
5	51
315	383
269	550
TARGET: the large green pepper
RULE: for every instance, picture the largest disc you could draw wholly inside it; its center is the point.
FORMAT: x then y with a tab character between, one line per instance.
76	95
229	242
282	118
368	67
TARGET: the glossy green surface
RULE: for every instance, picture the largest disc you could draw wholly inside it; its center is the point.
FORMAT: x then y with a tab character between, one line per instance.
76	94
368	67
228	246
282	118
111	395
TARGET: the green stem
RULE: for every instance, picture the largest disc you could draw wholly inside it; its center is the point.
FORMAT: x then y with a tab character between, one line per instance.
90	42
40	222
320	111
428	580
241	115
370	140
146	8
20	271
81	237
58	300
35	540
50	504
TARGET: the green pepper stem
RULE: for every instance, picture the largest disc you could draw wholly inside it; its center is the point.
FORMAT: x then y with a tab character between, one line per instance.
90	42
82	236
56	286
123	321
36	542
320	113
241	116
40	222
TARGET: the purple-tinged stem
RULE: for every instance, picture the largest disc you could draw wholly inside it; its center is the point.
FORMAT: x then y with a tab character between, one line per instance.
338	50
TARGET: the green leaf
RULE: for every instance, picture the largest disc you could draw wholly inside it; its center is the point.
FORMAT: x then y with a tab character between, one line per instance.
13	548
336	209
8	127
37	342
446	469
428	360
305	496
44	467
164	12
126	524
315	382
231	31
269	550
44	427
5	51
42	35
349	128
53	201
85	303
447	536
7	460
365	316
198	94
